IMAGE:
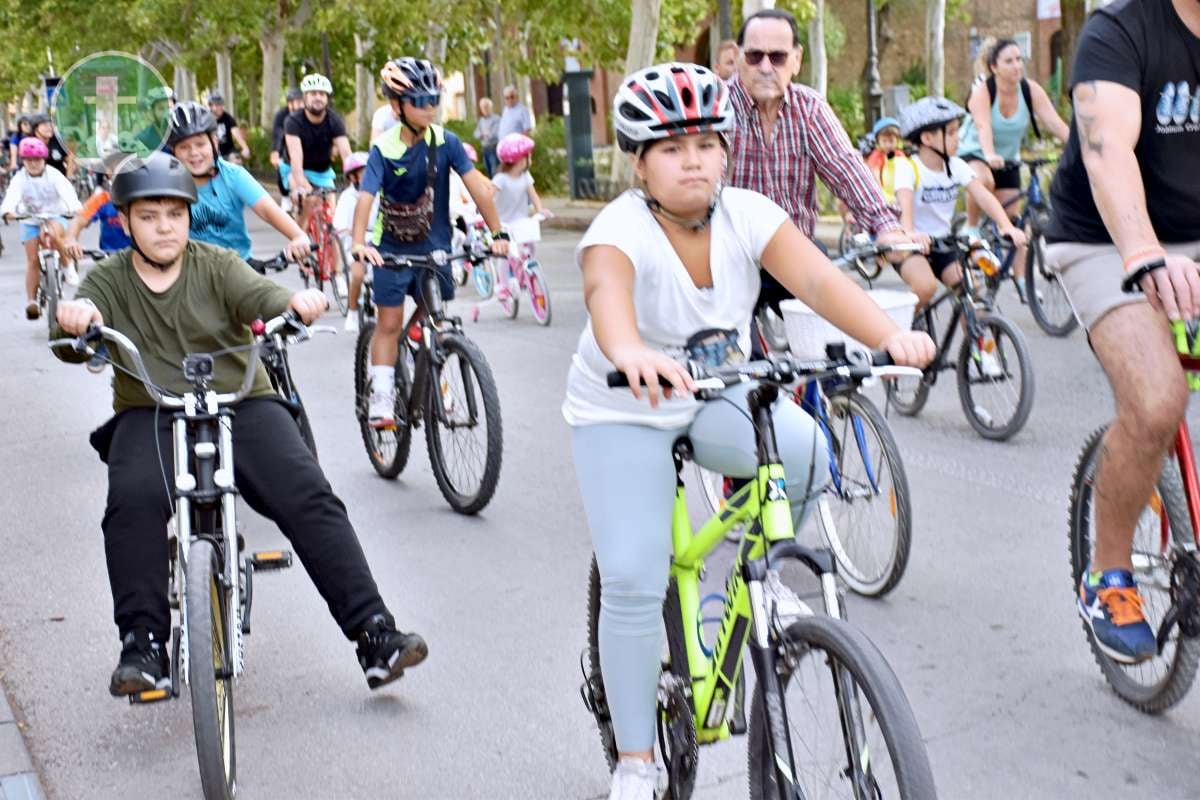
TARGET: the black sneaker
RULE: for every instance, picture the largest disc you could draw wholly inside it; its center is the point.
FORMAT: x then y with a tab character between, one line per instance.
384	652
143	665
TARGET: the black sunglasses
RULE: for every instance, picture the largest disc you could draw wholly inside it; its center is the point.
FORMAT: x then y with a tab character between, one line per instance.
755	57
424	100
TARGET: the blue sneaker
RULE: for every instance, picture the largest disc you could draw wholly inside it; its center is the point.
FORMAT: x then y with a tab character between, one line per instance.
1111	607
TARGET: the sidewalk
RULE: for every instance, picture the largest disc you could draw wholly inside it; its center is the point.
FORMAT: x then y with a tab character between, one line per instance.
18	781
576	215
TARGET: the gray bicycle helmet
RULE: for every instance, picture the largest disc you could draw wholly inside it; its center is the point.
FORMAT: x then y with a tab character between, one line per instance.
294	94
216	99
157	175
927	114
189	119
410	77
38	119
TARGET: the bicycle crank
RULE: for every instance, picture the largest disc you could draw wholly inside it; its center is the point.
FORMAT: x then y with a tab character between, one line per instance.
1185	600
677	737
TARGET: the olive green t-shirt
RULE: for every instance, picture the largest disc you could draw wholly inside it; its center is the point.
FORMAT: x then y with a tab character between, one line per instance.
208	308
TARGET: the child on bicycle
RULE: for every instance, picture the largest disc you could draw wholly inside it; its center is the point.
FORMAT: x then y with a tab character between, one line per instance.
927	189
343	221
514	189
38	188
409	170
882	161
675	256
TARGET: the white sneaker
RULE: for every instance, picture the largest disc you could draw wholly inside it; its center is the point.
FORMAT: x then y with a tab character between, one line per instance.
634	779
71	276
381	411
787	605
989	365
339	281
351	323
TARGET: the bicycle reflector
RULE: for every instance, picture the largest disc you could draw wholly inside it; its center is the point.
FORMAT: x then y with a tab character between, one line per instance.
1187	342
984	260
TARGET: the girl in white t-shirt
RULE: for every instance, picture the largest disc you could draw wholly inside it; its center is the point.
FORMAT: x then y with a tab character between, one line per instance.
927	188
660	263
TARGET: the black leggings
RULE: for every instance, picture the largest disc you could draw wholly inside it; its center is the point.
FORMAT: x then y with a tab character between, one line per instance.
275	474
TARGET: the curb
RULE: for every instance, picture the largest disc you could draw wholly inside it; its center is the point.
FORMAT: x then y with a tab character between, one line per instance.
18	780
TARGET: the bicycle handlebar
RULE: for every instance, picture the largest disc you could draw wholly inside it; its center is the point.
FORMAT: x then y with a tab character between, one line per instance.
870	249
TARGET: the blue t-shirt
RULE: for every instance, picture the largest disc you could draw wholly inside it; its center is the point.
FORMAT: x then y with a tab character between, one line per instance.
397	173
217	213
112	234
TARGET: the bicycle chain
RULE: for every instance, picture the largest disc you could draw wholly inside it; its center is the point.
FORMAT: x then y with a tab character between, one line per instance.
677	737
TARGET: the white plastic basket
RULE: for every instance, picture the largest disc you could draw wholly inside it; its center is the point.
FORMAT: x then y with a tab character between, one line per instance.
525	230
808	332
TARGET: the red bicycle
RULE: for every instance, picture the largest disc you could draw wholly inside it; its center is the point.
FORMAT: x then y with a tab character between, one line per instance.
330	262
1165	564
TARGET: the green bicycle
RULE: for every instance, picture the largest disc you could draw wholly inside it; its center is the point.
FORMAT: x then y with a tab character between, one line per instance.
815	674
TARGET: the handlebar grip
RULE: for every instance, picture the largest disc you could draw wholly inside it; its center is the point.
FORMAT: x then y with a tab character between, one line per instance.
617	380
881	358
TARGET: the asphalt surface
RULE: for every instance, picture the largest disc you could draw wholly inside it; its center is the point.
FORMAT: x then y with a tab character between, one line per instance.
982	631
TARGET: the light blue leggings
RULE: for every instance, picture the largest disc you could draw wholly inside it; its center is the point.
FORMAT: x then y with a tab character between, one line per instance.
627	479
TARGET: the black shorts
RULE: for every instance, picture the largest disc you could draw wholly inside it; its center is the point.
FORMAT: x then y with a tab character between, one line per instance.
772	293
1007	177
939	261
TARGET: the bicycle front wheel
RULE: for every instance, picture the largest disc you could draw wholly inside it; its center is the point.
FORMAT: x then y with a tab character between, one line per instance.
995	378
387	448
1048	300
51	290
1152	686
871	530
210	672
539	296
339	269
462	425
834	680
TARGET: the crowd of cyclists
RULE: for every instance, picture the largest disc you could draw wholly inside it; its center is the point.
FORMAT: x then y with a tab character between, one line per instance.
719	221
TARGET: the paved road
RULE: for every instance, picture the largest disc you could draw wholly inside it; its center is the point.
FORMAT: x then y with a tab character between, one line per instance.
981	632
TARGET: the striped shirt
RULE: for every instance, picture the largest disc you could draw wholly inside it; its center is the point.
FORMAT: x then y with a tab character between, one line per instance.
807	141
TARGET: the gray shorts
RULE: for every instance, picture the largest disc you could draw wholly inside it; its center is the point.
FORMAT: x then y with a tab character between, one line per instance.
1091	275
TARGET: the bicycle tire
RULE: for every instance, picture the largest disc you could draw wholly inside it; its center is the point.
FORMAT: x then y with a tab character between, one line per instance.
376	441
539	296
910	399
208	654
334	247
483	275
457	347
1156	696
875	582
1035	272
510	303
1020	415
845	646
51	290
681	767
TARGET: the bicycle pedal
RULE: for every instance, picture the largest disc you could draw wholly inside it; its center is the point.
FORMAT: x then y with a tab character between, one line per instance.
150	696
271	559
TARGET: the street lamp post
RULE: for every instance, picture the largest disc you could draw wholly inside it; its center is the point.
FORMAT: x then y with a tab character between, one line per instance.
874	92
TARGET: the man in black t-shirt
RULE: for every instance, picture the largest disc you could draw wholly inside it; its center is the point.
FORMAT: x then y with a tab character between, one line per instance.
228	132
295	102
310	135
1126	210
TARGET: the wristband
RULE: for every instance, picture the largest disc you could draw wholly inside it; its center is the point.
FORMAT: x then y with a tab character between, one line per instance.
1132	282
1139	255
501	235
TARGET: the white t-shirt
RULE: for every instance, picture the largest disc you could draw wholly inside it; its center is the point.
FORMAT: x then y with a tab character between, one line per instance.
512	195
669	306
936	192
343	215
48	193
383	119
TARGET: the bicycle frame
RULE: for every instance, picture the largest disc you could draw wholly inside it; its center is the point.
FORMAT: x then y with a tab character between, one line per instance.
964	309
811	398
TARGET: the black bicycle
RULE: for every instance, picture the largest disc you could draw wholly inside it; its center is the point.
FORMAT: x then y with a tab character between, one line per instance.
210	584
994	367
441	379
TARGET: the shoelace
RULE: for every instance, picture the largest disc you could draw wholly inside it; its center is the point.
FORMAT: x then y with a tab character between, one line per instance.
1124	605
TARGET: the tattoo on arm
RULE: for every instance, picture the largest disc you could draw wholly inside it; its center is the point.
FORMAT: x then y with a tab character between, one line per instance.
1090	136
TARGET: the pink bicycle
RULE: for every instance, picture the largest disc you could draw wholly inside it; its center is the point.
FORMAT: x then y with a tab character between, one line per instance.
524	273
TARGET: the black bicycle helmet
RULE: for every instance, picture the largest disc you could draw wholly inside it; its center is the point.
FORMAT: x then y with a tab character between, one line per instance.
294	94
38	119
216	99
189	119
408	76
157	175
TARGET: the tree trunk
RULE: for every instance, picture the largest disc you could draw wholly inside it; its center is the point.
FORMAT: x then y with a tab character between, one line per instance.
816	48
935	48
364	89
724	19
435	51
225	80
751	7
271	45
472	98
643	39
1074	12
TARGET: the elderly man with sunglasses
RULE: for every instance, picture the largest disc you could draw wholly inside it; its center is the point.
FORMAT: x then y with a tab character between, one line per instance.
787	135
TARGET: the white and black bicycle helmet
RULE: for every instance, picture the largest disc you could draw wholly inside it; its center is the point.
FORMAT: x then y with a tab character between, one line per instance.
316	82
189	119
928	114
410	77
673	99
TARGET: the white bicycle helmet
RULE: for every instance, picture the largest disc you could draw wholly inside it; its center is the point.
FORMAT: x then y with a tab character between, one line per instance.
672	99
926	114
316	82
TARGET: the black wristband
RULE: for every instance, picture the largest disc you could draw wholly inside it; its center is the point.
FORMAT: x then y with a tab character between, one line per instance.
1132	282
502	235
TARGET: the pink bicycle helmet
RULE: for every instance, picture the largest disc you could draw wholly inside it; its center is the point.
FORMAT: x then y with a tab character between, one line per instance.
514	147
357	160
33	147
471	154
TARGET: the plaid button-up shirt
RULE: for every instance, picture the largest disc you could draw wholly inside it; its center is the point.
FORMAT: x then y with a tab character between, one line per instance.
807	140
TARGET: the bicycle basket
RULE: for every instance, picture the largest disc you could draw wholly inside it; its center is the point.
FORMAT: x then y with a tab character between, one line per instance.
808	332
525	230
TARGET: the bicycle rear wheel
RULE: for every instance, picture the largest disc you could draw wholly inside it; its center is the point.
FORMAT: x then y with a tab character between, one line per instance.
387	448
51	289
337	268
539	295
833	679
210	672
1048	300
483	275
871	514
462	425
1152	686
995	378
